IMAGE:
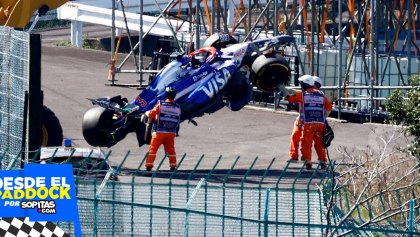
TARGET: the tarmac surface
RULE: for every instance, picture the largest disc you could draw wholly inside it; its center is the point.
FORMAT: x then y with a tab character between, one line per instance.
70	75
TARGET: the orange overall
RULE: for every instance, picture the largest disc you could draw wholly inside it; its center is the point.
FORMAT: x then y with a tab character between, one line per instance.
308	131
295	139
165	132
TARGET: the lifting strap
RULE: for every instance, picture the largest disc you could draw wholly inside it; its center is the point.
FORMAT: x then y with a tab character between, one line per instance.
239	10
324	21
292	12
178	14
308	38
351	12
206	9
112	69
397	32
281	24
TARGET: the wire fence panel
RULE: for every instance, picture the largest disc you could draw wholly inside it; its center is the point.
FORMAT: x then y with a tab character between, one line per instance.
192	203
139	209
14	81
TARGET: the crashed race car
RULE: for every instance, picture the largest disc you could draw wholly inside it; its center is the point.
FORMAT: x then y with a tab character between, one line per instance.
222	73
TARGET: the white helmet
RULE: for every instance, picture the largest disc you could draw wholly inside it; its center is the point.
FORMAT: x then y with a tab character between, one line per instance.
307	79
317	79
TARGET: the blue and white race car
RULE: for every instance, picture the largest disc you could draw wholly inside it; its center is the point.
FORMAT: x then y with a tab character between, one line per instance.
222	73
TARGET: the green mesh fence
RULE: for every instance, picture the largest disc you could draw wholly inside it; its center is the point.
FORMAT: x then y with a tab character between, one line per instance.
14	81
161	210
231	201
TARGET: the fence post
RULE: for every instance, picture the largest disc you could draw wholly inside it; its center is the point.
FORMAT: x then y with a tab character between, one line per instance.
35	97
411	223
266	211
190	199
95	211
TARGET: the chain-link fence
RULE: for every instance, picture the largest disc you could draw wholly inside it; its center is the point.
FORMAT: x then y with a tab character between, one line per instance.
14	81
290	201
200	208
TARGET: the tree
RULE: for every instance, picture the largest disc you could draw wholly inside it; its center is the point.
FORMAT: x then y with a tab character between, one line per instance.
406	112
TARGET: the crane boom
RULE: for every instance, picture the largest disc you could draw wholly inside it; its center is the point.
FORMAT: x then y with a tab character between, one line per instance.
17	13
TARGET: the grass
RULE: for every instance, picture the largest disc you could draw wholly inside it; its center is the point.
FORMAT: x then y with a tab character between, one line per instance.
87	44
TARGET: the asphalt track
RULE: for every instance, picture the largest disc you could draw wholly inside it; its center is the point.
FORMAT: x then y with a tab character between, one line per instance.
70	75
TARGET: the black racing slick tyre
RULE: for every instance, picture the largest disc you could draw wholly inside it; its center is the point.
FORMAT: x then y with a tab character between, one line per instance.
219	41
96	126
270	71
52	132
144	133
239	89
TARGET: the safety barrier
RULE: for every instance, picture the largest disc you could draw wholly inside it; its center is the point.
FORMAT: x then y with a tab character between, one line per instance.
219	201
14	81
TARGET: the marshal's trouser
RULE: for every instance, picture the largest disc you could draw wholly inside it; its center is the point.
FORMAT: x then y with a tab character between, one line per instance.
312	133
295	140
168	141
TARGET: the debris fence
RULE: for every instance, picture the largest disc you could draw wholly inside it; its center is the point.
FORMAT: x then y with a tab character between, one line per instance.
14	81
215	202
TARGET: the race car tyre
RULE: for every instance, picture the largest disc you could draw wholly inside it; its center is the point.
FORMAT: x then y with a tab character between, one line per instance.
240	89
52	132
219	41
96	126
144	134
270	71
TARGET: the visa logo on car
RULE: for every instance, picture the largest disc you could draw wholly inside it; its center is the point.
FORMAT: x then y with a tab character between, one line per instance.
214	85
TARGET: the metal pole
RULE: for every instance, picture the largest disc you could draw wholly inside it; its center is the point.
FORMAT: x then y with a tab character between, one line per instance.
334	17
378	22
213	15
197	25
24	158
313	14
411	224
141	44
113	33
266	211
276	18
372	58
340	53
409	38
249	17
218	16
188	205
302	30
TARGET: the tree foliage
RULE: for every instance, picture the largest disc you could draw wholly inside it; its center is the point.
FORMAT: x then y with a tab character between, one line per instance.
407	112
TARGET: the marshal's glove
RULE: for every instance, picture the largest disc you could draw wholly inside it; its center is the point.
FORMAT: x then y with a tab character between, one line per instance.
282	88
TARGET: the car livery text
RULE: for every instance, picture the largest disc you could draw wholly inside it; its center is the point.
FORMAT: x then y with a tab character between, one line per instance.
216	84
